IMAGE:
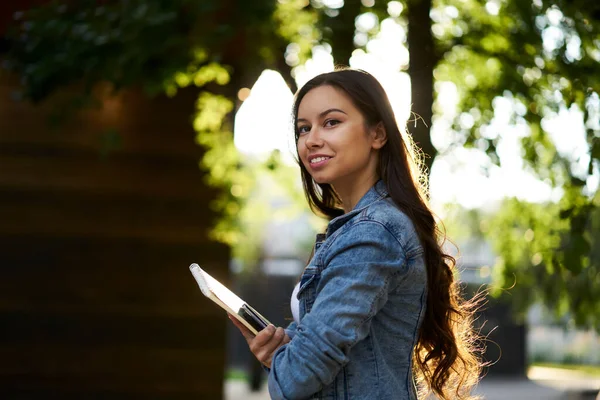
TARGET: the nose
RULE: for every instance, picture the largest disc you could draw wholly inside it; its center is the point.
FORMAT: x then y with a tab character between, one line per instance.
313	139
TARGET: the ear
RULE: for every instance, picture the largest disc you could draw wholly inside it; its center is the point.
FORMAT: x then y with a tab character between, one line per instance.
379	135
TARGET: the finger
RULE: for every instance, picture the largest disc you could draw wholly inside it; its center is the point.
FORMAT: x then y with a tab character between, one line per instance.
248	335
265	352
265	355
263	337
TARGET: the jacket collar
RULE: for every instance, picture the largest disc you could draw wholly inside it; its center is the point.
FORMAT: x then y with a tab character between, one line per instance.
376	192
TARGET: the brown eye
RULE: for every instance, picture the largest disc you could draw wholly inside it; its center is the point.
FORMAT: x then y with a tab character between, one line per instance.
331	122
303	129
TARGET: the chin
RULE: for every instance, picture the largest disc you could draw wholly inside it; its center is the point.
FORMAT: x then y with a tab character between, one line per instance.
321	180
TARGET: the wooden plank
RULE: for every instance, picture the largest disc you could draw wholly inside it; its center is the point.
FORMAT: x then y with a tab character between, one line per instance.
74	253
166	123
122	276
28	390
90	138
99	330
119	369
88	215
59	292
149	176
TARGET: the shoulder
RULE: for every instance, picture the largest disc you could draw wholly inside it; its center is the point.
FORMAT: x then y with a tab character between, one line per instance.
386	213
367	242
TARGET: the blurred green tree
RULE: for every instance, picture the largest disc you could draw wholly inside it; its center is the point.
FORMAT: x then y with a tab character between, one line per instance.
543	58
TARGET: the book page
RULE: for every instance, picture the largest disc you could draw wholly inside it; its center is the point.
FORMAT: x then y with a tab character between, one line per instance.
226	299
210	285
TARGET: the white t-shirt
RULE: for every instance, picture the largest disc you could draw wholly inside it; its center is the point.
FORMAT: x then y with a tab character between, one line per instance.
295	304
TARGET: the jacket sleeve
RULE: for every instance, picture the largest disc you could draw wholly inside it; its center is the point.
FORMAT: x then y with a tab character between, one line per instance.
291	329
359	267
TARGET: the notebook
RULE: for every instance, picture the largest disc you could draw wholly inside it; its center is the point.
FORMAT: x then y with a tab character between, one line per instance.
228	300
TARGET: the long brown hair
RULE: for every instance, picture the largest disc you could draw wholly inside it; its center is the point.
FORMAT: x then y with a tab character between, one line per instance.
446	355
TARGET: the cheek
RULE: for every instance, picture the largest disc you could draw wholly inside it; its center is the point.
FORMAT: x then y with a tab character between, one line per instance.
301	148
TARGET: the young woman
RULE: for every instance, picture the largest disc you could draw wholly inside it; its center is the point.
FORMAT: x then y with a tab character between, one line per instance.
379	315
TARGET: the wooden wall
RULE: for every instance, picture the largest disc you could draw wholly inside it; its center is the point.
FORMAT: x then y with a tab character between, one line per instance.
96	299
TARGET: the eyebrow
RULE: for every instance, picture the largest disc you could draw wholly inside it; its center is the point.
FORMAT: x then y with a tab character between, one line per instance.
324	113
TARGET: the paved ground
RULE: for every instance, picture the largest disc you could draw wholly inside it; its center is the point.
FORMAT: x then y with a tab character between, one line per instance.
545	384
563	378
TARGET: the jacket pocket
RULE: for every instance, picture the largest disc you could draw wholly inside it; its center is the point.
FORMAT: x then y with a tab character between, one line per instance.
307	292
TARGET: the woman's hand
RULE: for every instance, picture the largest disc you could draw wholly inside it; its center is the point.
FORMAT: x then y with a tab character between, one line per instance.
265	343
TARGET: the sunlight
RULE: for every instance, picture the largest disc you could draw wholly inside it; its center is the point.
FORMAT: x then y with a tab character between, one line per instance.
321	62
263	122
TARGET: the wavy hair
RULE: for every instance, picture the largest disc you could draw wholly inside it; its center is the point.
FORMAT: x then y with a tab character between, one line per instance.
446	357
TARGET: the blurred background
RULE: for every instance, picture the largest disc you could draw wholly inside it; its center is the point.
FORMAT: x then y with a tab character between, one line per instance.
139	136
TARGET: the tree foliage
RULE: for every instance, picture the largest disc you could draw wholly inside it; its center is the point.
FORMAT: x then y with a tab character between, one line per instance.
544	57
546	263
128	43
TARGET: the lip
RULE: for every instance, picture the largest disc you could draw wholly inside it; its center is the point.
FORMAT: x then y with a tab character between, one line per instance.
320	163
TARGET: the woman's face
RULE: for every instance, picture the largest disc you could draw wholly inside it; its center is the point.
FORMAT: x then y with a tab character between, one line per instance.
334	144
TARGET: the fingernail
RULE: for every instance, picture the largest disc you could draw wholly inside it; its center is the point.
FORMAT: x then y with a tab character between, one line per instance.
271	327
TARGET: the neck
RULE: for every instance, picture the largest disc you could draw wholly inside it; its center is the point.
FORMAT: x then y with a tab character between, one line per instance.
351	192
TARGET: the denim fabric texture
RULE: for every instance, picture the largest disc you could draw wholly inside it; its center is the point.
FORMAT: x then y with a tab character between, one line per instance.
362	299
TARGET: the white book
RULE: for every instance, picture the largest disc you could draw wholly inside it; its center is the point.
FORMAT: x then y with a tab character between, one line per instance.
229	301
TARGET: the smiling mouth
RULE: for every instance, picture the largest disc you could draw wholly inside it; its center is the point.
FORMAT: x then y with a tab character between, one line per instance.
319	159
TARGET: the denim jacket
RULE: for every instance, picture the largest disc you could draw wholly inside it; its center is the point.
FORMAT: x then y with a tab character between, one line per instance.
362	300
